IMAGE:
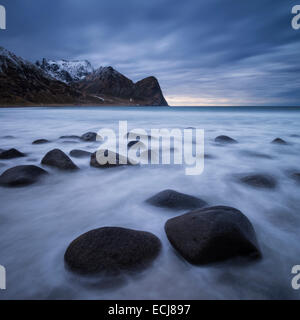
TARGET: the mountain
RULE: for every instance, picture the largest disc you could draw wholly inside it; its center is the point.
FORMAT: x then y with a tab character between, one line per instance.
66	70
23	83
63	82
107	82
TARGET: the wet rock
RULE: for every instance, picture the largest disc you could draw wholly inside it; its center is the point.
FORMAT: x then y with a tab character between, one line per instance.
132	143
21	176
76	153
89	136
295	135
279	141
114	160
296	176
40	141
259	181
225	139
11	154
175	200
212	234
58	159
112	250
8	137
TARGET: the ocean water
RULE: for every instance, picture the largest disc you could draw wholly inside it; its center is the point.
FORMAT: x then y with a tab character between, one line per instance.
38	222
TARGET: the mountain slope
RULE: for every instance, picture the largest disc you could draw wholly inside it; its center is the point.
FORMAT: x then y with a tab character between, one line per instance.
23	83
66	70
109	82
71	82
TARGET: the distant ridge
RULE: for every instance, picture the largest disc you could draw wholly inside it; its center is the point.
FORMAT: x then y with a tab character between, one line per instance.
71	82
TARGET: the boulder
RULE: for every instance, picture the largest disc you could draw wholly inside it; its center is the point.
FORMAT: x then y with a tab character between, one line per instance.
259	181
58	159
175	200
21	176
212	234
11	154
278	141
112	250
296	176
76	153
114	157
225	139
40	141
89	136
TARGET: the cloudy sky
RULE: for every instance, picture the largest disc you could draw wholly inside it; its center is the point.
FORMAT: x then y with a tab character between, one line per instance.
204	52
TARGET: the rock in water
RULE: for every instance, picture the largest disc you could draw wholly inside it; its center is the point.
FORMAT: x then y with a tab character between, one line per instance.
11	154
89	136
80	153
113	157
259	181
212	234
58	159
175	200
278	141
296	176
112	250
40	141
21	176
224	139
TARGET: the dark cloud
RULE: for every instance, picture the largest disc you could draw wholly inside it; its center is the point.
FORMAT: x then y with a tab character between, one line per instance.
210	52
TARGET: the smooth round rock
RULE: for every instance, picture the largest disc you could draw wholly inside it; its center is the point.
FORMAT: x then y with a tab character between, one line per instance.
21	175
225	139
89	136
11	154
175	200
259	181
76	153
279	141
58	159
212	234
40	141
112	160
112	250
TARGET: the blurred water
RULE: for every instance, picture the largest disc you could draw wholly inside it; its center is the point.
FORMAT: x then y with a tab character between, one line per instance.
38	222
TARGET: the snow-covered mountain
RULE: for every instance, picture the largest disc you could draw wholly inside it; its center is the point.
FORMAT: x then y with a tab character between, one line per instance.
66	70
61	82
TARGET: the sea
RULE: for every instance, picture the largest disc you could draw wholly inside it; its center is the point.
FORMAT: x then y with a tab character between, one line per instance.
38	222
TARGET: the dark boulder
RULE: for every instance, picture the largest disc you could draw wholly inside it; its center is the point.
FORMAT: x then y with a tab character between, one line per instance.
21	176
175	200
58	159
296	176
279	141
112	250
76	153
89	136
114	160
212	234
40	141
132	143
11	154
225	139
259	181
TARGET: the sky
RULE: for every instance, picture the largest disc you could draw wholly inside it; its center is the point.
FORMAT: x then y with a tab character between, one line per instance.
203	52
